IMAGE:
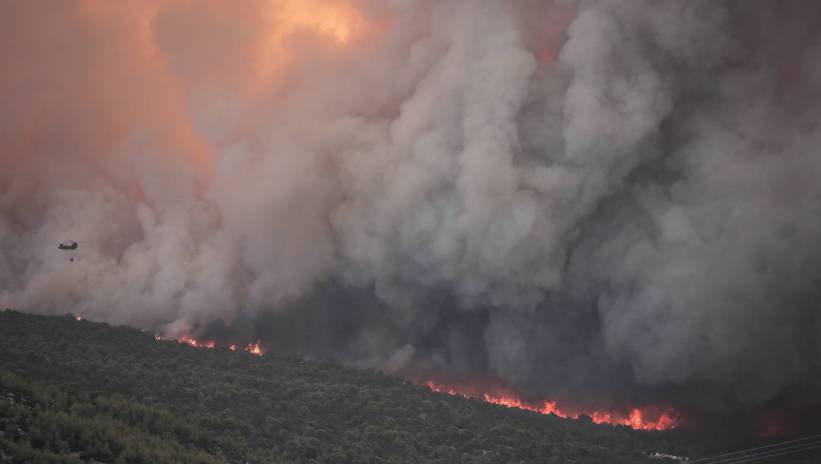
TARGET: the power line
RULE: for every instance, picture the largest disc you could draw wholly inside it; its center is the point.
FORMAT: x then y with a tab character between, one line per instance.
759	451
772	454
773	445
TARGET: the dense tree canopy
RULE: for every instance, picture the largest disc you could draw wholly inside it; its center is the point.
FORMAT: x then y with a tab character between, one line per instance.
83	392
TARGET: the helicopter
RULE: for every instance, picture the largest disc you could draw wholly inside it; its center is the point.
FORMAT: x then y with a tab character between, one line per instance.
69	245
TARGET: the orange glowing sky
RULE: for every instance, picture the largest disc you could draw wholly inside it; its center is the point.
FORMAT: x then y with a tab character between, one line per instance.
219	160
128	65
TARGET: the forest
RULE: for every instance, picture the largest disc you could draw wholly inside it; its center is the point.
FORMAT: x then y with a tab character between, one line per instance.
78	391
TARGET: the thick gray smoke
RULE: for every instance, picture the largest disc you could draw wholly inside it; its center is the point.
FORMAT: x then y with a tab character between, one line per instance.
603	202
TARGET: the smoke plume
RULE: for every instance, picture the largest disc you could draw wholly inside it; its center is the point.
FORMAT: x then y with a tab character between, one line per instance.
605	203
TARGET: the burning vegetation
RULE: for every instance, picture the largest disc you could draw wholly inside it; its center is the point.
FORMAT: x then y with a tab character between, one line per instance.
649	418
252	348
548	193
135	402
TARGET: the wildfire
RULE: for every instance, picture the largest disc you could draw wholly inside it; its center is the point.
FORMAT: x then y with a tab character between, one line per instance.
191	341
252	348
774	424
636	418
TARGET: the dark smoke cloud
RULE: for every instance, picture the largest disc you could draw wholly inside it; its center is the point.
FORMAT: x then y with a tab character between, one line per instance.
600	202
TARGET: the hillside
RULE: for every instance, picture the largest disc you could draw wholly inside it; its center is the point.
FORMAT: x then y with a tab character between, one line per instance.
77	391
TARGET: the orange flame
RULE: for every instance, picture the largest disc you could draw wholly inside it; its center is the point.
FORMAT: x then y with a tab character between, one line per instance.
252	348
637	418
197	343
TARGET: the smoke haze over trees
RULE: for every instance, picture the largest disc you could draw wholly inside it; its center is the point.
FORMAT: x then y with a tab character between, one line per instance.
605	203
96	393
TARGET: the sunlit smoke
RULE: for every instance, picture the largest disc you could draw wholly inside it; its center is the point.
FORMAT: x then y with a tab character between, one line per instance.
600	203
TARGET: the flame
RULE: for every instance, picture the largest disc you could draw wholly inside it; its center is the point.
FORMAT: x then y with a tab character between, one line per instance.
78	318
636	418
191	341
649	419
252	348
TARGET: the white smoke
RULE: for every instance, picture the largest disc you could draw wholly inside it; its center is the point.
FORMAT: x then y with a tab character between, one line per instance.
622	188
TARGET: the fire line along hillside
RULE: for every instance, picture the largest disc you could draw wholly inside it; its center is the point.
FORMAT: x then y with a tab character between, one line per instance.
77	391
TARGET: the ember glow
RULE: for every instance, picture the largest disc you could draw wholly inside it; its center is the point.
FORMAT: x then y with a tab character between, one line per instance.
252	348
636	418
196	343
